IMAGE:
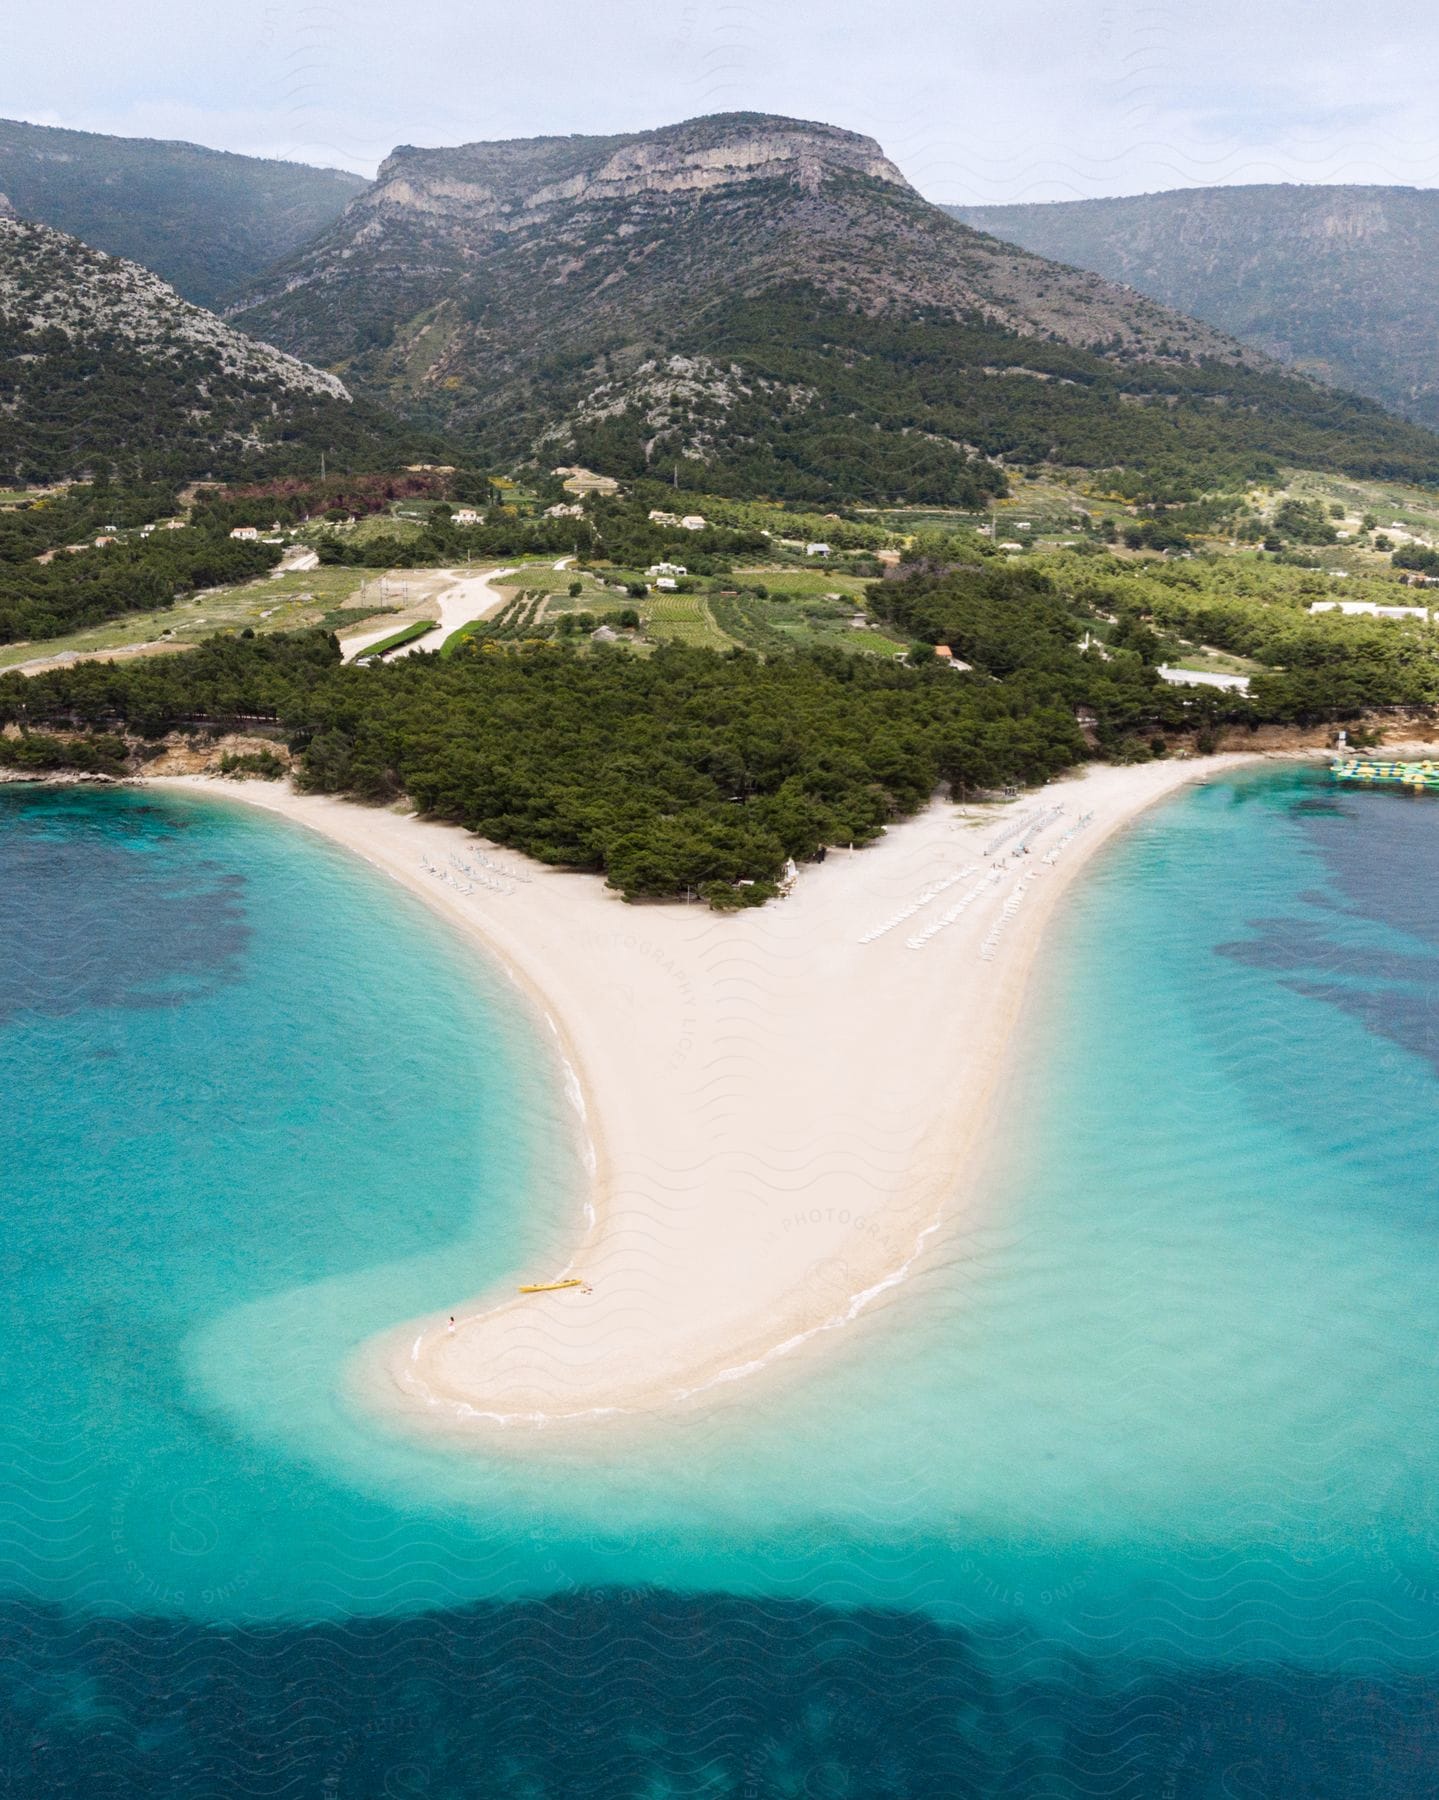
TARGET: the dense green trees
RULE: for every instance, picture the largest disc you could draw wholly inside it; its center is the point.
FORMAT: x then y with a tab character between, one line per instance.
69	408
38	753
669	772
1304	522
1417	556
136	574
896	410
691	770
1321	666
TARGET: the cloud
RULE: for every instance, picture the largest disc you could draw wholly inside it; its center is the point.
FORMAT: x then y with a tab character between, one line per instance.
1034	100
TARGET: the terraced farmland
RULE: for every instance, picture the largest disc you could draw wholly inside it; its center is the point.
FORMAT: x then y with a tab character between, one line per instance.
684	619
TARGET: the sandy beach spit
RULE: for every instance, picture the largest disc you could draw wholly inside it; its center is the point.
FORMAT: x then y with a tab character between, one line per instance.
780	1108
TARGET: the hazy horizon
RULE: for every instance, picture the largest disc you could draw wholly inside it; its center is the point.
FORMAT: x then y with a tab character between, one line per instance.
369	174
1042	103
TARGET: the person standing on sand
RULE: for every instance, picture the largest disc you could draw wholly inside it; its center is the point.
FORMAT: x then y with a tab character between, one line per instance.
450	1328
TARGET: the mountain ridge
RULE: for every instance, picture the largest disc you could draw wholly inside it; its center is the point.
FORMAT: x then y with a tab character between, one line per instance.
636	162
448	210
769	306
100	360
204	220
1339	281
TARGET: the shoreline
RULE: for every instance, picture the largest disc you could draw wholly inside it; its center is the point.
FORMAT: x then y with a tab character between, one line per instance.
779	1107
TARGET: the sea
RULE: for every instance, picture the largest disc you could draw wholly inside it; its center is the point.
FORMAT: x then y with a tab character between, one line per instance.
1131	1490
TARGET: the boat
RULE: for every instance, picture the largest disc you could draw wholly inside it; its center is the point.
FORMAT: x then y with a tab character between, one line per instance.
552	1287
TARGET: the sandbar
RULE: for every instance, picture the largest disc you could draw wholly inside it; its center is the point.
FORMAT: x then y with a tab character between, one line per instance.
781	1109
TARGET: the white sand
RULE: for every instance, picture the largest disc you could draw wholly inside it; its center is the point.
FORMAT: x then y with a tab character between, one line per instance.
779	1116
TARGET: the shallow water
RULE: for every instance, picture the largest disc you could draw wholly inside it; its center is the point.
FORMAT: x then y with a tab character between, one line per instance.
1157	1424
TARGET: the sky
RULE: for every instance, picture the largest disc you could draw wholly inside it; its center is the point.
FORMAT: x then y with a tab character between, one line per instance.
1029	100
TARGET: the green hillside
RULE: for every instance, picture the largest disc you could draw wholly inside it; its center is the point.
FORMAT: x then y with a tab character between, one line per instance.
205	220
106	370
1342	282
762	305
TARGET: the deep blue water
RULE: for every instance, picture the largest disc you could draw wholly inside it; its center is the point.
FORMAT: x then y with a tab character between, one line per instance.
1131	1492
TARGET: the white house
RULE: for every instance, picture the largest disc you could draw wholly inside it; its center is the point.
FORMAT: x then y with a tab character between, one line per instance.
1369	609
667	568
248	533
664	518
465	515
667	584
1237	684
816	549
560	511
693	522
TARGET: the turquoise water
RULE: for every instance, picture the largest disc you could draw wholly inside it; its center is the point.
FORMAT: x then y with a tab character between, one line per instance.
236	1061
1163	1413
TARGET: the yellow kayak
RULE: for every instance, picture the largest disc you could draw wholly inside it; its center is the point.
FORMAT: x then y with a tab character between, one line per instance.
551	1287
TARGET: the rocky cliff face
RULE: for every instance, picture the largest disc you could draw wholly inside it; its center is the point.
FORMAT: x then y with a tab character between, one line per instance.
567	238
767	295
509	186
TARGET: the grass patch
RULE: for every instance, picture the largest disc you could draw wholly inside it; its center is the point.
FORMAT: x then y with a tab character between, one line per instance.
374	525
809	583
407	634
544	578
331	598
802	613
